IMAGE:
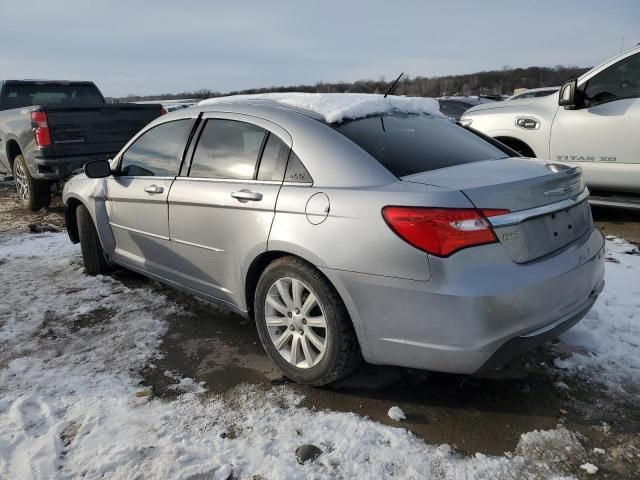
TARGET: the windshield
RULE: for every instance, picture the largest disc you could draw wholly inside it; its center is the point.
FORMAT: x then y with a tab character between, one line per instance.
406	143
25	95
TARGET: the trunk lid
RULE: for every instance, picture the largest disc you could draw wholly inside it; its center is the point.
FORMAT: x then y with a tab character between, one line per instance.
95	129
547	201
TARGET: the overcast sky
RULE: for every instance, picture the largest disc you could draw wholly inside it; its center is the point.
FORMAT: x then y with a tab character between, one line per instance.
169	46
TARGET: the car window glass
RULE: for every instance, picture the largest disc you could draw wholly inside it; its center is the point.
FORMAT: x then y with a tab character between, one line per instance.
227	149
619	81
24	95
274	159
407	143
158	151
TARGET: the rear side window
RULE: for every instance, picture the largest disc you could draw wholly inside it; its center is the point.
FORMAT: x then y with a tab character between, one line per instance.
406	143
158	151
228	149
18	96
274	159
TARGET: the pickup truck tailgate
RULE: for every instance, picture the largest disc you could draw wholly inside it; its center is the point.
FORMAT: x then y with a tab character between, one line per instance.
86	130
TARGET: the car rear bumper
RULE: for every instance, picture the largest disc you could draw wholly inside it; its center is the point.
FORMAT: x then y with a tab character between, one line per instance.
59	168
478	310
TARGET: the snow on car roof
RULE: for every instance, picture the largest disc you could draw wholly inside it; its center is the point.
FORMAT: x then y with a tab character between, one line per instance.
336	107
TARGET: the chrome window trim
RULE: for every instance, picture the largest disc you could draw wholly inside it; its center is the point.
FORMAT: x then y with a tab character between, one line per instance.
230	180
298	184
514	218
251	181
141	232
115	177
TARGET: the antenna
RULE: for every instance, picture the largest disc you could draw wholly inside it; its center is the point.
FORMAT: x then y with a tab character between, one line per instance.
393	85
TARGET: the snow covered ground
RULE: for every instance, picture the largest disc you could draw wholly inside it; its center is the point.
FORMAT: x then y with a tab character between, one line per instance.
72	405
609	336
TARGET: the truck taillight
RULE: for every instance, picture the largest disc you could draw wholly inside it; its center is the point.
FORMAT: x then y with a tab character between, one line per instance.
43	135
441	231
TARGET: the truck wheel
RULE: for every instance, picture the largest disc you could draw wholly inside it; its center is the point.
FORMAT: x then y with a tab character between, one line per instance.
34	194
303	324
95	262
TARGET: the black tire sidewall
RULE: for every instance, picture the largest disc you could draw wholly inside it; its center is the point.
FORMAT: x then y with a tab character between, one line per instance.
306	274
93	256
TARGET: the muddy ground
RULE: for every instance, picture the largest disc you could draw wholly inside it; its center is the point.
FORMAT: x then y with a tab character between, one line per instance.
472	413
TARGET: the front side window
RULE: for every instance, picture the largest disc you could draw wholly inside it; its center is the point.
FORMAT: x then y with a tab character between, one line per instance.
228	149
619	81
158	151
408	143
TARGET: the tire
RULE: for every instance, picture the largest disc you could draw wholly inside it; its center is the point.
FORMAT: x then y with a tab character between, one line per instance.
34	194
311	364
95	263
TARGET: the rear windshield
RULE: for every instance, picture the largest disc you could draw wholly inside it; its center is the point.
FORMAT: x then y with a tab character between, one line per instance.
18	96
407	143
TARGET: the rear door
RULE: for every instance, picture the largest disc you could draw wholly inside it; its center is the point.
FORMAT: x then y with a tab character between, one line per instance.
222	207
602	137
137	196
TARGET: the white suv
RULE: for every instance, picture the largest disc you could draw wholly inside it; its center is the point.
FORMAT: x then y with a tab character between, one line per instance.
593	122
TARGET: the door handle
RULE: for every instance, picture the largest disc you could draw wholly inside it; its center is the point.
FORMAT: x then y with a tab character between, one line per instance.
154	189
245	195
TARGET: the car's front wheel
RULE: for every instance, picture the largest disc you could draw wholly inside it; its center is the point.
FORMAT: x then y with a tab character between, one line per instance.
95	262
303	323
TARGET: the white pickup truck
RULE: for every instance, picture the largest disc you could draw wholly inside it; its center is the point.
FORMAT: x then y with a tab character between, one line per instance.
593	122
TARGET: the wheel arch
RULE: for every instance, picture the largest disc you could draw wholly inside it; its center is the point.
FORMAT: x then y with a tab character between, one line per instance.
520	146
71	220
257	266
13	149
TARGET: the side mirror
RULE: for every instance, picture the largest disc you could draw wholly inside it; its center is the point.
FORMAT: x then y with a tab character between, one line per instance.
569	95
97	169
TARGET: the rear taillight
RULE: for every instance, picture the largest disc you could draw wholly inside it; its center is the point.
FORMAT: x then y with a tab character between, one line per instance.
43	135
442	231
163	111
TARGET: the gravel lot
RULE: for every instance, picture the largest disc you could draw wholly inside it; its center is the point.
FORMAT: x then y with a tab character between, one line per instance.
486	414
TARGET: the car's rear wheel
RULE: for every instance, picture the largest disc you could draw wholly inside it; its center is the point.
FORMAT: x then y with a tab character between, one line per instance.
303	323
95	262
34	194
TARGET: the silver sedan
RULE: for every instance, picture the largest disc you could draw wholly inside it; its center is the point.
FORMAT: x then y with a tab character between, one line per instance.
393	236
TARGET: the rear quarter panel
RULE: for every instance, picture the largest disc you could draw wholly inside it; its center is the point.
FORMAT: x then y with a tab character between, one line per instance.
15	126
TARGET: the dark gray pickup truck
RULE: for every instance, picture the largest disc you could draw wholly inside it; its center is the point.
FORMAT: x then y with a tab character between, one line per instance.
50	128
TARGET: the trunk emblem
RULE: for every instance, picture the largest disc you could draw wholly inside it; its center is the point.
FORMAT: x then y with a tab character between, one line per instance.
566	190
514	235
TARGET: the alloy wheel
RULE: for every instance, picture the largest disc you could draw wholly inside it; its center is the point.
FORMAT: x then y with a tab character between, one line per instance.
296	322
22	184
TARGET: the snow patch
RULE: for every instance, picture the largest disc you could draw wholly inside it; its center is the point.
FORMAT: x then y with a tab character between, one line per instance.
608	338
589	468
337	107
396	413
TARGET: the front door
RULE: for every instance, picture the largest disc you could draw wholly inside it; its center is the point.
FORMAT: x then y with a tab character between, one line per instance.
220	212
602	136
136	197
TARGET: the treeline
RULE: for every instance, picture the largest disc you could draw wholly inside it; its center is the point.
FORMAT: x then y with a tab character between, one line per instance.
494	82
